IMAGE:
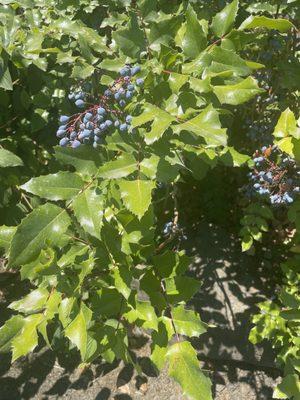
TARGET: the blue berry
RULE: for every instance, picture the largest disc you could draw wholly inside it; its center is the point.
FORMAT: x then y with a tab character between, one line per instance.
122	103
64	142
101	111
123	127
88	116
128	119
140	82
64	119
117	123
60	134
125	71
135	70
128	95
108	123
80	103
75	144
108	93
73	135
131	87
117	96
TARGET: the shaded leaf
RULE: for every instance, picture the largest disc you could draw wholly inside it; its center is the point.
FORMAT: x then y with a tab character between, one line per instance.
9	159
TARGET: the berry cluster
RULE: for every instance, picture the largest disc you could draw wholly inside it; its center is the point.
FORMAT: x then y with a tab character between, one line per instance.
275	175
91	125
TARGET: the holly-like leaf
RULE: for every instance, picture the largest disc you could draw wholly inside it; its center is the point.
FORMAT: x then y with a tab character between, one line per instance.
136	195
184	368
88	209
6	235
122	280
44	224
59	186
286	125
144	312
85	159
160	124
160	340
238	93
181	288
123	166
9	159
27	339
9	330
288	388
194	39
255	21
77	333
206	125
224	20
187	322
34	301
131	40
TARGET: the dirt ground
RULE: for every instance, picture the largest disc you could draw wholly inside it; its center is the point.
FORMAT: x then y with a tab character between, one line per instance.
232	285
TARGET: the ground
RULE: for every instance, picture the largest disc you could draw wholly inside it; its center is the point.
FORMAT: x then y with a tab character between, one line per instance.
232	285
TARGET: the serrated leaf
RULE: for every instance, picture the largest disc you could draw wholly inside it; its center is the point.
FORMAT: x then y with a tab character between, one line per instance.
288	388
143	310
238	93
176	81
85	159
123	166
181	288
187	322
77	333
286	125
160	340
160	124
224	20
59	186
6	235
122	280
88	209
44	224
27	339
194	39
9	330
200	85
206	125
69	257
34	301
5	77
130	40
184	368
136	195
280	24
9	159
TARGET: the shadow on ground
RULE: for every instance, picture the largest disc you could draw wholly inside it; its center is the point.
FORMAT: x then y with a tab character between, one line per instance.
232	285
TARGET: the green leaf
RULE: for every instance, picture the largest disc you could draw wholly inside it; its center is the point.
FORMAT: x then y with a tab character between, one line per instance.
59	186
85	159
206	125
224	20
44	224
122	280
136	195
187	322
238	93
194	39
143	310
160	124
176	81
9	159
5	78
184	368
160	340
27	339
77	333
286	125
69	256
9	330
288	388
6	235
123	166
130	40
181	288
34	301
280	24
88	209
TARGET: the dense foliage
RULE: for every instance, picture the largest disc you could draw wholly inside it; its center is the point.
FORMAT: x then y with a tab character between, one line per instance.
143	96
